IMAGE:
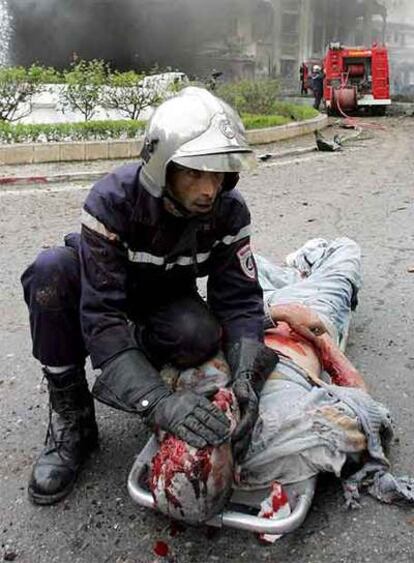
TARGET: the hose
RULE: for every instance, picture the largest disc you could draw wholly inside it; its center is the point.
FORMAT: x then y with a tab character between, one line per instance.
349	121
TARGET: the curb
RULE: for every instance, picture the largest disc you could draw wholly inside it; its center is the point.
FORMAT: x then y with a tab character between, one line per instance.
52	178
284	132
36	153
98	174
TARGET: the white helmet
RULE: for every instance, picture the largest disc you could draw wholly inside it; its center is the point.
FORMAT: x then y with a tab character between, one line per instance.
197	130
316	68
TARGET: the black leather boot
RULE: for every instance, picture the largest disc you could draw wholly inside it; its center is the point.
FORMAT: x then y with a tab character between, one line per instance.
71	436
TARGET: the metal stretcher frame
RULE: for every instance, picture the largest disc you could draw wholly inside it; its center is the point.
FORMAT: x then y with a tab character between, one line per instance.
229	518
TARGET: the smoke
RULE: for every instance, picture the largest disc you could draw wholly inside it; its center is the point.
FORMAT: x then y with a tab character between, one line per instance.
177	33
402	11
128	33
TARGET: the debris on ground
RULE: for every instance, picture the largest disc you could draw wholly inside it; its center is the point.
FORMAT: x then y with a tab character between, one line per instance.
325	145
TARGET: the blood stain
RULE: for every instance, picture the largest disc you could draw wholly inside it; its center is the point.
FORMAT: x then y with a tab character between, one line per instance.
161	549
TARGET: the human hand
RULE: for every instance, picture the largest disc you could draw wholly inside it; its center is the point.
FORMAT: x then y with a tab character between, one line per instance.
300	318
193	418
251	363
248	402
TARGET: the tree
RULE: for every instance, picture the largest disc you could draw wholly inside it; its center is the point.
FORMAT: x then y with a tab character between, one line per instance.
84	86
18	86
130	93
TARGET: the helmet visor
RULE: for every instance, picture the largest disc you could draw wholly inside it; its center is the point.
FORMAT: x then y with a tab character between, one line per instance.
222	162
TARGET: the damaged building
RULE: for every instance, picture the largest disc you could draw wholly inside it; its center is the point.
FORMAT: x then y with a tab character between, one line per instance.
272	37
241	38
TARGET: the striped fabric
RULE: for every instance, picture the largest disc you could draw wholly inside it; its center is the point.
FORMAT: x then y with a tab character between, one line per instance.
139	257
93	224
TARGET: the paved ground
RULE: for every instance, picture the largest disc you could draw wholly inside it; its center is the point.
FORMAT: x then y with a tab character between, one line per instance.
366	192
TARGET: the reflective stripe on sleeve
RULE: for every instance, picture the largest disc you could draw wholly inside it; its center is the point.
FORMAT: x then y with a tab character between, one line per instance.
94	225
230	239
147	258
140	257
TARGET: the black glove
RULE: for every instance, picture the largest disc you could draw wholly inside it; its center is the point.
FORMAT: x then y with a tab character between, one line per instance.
129	382
191	417
251	363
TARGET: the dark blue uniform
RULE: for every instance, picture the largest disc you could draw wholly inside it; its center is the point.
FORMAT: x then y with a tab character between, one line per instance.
134	261
317	87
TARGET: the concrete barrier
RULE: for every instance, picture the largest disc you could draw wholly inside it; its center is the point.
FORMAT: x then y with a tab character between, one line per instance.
28	153
283	132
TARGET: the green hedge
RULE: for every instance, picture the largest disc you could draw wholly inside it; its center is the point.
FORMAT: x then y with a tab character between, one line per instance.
252	121
295	112
129	129
84	131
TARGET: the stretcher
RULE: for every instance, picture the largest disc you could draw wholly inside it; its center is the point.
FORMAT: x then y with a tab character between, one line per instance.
243	507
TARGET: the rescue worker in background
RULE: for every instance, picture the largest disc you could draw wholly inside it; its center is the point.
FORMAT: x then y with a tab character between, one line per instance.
303	75
125	293
214	79
317	85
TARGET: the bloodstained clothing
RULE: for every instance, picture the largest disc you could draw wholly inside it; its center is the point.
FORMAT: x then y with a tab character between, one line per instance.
306	426
137	257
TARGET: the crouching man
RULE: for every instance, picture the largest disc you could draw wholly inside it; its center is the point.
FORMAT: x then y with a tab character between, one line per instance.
124	292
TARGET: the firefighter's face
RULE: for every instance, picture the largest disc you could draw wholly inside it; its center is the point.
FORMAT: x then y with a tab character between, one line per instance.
196	190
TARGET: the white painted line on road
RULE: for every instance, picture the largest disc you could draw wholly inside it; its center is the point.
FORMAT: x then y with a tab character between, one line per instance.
44	190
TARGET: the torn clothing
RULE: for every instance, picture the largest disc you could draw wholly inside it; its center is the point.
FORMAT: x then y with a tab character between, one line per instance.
135	256
305	429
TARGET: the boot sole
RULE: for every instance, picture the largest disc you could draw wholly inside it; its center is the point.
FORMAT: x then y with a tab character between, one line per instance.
44	500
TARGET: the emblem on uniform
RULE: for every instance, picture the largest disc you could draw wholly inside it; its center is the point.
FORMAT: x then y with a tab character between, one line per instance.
227	129
246	260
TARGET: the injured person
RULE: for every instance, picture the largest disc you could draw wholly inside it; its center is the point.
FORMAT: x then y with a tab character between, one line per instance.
315	413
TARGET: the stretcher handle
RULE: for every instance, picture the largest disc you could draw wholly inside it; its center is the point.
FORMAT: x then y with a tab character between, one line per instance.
229	518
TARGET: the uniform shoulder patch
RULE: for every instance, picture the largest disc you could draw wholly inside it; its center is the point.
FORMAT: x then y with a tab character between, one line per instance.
246	260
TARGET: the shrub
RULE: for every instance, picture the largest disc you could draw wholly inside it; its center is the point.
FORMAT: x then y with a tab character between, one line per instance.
84	87
127	129
294	111
18	85
250	96
90	130
128	93
252	121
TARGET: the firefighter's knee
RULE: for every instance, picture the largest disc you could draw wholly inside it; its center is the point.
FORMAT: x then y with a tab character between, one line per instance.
52	281
200	336
185	333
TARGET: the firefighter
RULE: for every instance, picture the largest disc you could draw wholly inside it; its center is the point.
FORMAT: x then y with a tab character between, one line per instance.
317	85
124	292
303	76
214	79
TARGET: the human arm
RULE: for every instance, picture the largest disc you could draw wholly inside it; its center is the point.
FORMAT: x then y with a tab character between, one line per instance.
235	296
307	324
302	319
128	380
334	361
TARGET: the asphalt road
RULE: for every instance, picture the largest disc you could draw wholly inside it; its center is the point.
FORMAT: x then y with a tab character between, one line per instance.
365	192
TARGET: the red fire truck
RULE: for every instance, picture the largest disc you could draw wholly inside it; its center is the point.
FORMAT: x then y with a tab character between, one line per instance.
356	77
